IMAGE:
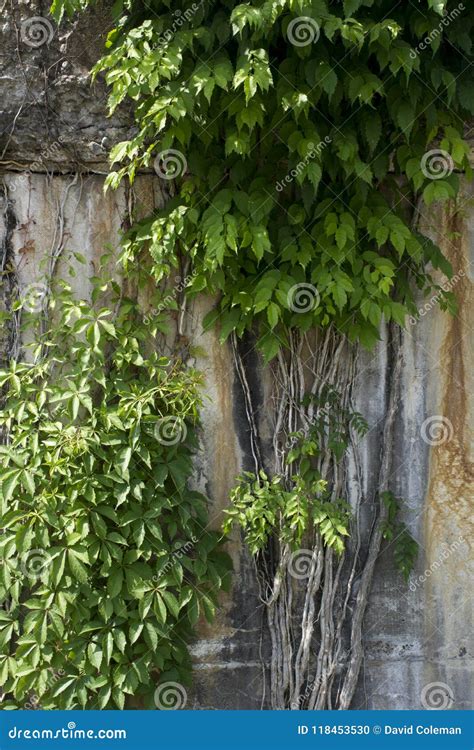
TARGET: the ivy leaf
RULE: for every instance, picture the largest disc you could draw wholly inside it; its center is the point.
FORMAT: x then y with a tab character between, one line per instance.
373	130
120	639
134	632
77	568
95	655
273	313
151	636
269	345
260	242
405	117
115	582
28	481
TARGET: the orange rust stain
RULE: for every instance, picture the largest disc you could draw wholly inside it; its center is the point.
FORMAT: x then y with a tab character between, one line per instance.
450	491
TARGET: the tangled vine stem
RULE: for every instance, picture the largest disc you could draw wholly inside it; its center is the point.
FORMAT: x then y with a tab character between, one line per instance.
316	654
9	285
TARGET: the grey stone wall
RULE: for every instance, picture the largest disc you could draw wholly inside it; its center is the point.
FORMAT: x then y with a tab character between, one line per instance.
53	144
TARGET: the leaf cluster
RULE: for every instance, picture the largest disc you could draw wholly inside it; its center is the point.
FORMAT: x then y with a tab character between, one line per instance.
263	508
299	163
405	548
107	561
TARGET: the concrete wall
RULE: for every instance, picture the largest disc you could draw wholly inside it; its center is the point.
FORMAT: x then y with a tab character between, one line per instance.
53	144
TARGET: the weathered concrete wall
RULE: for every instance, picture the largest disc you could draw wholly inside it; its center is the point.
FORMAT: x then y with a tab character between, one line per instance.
422	634
415	634
51	116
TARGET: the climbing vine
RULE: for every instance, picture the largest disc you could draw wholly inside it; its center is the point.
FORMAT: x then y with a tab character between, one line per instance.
313	568
301	141
280	120
98	599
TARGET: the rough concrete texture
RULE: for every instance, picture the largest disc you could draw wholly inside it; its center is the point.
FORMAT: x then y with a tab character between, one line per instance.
415	634
51	116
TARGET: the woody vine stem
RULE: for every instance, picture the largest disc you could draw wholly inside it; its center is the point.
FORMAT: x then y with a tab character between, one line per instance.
311	594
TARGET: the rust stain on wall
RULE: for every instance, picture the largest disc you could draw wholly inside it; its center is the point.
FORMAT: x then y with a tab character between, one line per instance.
449	497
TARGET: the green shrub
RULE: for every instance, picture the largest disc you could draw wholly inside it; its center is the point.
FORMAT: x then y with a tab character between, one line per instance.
107	562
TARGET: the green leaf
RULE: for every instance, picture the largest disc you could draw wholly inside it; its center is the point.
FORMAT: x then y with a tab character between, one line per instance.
28	481
405	117
77	568
151	636
115	582
273	313
120	640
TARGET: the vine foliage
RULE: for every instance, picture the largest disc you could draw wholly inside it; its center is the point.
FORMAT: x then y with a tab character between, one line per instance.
99	433
296	136
233	101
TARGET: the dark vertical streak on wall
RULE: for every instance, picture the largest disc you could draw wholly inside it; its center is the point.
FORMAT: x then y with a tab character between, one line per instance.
8	282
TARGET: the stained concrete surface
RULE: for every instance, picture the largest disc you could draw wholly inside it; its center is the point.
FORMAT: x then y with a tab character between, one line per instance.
415	634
